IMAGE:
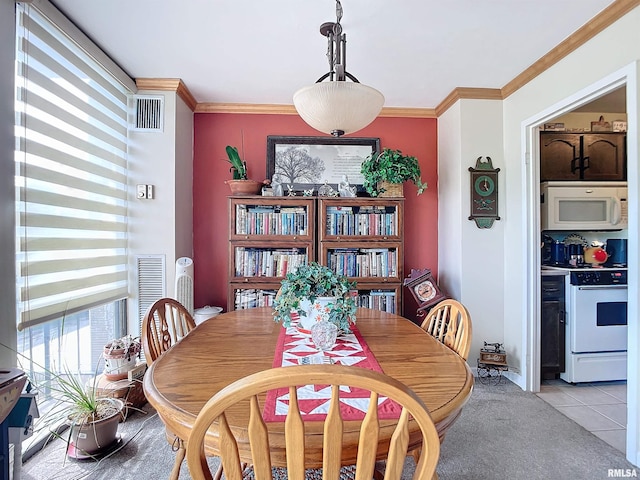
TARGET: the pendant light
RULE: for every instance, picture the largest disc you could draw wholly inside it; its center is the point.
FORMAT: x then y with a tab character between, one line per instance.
337	107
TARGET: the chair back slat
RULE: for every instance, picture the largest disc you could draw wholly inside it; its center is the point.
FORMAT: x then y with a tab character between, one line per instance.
450	323
294	428
165	323
332	446
295	376
259	439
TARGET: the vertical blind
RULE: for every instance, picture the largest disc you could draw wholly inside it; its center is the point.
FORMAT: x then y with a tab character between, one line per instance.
71	175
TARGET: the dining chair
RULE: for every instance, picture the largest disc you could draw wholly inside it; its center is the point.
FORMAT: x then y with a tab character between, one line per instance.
449	322
165	322
257	433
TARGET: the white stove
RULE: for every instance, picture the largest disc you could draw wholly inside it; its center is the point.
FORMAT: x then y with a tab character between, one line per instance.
596	326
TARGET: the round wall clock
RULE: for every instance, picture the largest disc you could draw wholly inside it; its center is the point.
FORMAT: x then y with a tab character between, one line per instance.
484	193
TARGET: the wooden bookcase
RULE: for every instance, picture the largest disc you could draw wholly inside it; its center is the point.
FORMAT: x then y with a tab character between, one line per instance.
358	237
267	237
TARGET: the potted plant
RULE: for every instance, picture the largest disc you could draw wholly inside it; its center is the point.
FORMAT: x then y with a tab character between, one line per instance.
385	172
315	292
120	356
240	184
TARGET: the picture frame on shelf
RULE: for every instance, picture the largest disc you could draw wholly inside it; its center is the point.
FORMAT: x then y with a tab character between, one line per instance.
310	162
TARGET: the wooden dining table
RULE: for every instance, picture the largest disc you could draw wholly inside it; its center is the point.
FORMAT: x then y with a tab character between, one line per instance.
238	343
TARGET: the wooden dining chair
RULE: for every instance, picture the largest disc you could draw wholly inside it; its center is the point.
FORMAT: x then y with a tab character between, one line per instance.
449	321
250	387
165	322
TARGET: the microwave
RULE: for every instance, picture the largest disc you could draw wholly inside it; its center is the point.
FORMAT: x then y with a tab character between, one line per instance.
583	205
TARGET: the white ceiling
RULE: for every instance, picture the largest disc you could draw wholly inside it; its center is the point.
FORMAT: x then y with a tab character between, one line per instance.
261	51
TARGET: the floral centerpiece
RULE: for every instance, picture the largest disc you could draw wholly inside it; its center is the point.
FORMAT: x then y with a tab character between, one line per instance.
305	286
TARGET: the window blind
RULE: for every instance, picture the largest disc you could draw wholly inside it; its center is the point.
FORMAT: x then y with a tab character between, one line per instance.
71	175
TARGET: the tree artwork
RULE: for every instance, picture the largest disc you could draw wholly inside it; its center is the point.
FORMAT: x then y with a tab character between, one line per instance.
295	165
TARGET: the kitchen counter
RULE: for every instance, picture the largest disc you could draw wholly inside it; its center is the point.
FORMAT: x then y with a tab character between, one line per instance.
551	270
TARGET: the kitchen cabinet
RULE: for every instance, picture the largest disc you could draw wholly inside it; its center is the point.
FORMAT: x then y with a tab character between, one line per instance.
582	156
552	328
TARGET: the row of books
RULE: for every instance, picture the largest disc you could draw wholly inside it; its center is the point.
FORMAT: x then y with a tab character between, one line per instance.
363	262
348	223
253	298
271	220
264	262
378	300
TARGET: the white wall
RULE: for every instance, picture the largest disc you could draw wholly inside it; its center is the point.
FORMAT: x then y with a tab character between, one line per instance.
7	193
470	264
162	225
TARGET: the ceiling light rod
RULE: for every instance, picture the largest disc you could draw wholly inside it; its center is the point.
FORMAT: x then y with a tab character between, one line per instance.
336	49
337	107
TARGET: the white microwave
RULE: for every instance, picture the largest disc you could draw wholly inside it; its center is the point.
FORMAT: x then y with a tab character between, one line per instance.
583	205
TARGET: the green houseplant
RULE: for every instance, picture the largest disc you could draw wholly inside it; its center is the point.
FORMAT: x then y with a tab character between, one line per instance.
393	167
240	184
310	282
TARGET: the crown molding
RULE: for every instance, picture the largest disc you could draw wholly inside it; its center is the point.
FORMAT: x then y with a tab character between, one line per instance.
170	85
468	93
278	109
604	19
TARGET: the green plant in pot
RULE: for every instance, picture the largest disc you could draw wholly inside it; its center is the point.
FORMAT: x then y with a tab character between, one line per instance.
92	420
381	171
240	184
306	285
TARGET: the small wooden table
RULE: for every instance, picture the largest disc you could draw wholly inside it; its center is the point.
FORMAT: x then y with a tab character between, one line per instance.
235	344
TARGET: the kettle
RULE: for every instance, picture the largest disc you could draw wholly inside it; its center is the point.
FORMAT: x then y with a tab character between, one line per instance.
595	255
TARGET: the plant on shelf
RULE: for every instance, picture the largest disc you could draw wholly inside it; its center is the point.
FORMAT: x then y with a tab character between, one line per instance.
240	184
307	284
392	167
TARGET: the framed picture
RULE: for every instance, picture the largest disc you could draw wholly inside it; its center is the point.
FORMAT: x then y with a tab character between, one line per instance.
424	289
309	162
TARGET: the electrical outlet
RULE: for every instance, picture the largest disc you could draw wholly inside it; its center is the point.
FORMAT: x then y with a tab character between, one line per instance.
141	191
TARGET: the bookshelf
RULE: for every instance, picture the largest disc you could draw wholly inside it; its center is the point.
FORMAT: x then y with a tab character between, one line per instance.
358	237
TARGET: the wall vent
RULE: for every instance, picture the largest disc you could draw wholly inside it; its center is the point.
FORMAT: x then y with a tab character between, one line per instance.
151	282
148	113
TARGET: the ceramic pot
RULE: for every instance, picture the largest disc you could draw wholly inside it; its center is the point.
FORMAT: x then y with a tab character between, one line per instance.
89	438
315	312
244	187
118	362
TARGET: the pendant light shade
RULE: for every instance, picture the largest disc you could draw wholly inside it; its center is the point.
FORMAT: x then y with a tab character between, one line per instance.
337	107
332	107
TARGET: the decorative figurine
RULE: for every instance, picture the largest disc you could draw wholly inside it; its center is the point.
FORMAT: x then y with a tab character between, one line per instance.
276	186
308	193
346	190
326	190
292	192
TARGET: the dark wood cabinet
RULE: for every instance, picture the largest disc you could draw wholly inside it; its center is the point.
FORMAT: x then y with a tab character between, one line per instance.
582	156
552	328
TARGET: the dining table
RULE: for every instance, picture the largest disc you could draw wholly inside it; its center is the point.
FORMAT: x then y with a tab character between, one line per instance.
238	343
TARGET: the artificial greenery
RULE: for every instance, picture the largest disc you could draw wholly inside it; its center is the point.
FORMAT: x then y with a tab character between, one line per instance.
238	167
312	281
391	166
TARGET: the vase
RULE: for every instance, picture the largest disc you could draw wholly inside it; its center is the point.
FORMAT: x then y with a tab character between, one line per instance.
315	312
324	335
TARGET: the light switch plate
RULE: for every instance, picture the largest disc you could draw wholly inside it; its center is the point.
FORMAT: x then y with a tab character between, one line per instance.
141	191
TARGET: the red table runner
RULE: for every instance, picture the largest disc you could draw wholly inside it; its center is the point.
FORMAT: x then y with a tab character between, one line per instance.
295	348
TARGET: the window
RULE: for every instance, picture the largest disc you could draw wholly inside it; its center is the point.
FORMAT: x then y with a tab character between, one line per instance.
71	173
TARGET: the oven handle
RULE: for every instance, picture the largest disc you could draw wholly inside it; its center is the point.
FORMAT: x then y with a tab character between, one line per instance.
602	287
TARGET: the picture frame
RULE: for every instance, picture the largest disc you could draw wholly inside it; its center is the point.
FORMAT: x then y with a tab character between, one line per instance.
328	159
424	289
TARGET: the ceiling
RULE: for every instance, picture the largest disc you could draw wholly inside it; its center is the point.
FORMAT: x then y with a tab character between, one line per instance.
260	52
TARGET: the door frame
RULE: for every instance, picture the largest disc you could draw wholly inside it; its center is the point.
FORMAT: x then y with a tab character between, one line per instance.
530	135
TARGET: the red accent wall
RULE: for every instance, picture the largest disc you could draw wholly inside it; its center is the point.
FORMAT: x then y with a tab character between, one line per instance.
214	131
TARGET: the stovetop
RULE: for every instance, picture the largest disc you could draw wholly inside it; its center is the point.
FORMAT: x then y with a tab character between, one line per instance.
591	274
585	267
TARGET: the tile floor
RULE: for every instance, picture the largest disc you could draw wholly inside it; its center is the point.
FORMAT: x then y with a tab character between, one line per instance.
600	407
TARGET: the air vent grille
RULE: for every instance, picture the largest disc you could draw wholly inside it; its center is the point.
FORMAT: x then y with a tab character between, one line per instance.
151	281
149	113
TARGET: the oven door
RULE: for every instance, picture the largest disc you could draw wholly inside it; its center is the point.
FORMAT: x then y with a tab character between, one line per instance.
598	318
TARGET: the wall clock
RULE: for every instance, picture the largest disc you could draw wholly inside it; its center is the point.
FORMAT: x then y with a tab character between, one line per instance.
484	193
424	289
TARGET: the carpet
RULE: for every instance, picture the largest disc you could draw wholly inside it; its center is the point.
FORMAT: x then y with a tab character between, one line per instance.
503	433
